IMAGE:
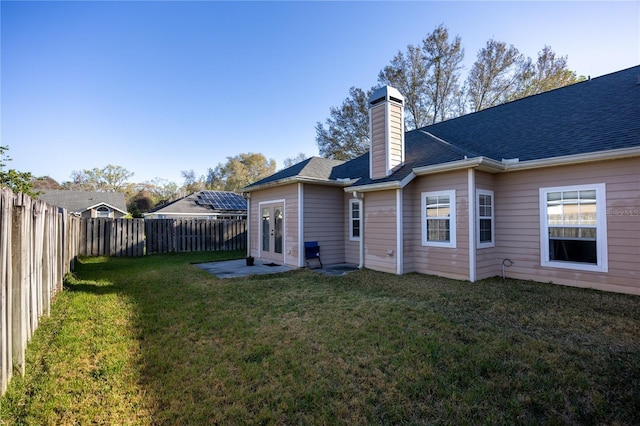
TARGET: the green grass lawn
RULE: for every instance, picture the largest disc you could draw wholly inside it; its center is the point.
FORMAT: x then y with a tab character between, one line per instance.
156	340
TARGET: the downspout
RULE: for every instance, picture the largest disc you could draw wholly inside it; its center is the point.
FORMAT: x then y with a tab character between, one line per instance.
300	225
399	236
471	177
361	197
248	196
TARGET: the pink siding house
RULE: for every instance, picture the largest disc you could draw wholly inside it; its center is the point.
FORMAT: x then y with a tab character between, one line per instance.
545	188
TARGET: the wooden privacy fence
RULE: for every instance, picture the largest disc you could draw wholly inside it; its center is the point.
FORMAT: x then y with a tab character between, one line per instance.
40	242
38	246
111	237
137	237
184	235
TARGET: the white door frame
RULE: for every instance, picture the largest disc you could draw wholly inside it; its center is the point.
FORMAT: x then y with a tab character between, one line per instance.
271	255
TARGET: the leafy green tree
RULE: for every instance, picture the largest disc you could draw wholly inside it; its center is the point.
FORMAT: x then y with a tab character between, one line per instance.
114	178
163	190
240	171
346	135
140	203
14	180
144	196
496	75
107	179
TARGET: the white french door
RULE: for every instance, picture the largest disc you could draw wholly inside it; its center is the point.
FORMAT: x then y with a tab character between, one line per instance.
272	231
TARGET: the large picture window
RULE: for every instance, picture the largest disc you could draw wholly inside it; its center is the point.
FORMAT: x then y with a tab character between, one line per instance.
439	219
485	225
355	219
574	227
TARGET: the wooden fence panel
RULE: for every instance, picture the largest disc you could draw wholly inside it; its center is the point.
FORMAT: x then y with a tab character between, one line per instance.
20	259
35	254
208	235
39	244
190	235
159	236
6	269
127	237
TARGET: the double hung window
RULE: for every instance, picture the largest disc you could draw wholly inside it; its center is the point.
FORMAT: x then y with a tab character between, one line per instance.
439	219
574	227
485	225
355	212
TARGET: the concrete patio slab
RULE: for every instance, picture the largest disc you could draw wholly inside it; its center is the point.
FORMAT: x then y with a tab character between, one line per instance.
239	268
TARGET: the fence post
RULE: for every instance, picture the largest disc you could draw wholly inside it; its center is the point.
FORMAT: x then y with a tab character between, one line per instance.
6	282
20	260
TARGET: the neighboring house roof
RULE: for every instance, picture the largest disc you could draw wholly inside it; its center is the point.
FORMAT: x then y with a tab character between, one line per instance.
203	203
79	201
597	115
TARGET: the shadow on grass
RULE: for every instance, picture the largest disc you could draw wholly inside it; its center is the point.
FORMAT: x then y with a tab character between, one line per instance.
301	348
97	289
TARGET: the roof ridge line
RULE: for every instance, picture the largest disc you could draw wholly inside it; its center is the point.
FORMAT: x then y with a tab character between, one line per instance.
449	145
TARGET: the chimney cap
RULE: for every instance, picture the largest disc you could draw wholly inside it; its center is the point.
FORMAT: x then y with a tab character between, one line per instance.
386	93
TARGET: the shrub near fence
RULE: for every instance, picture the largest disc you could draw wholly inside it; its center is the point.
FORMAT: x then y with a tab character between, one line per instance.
38	245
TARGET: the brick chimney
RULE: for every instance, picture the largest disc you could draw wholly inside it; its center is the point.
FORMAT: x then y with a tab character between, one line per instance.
386	132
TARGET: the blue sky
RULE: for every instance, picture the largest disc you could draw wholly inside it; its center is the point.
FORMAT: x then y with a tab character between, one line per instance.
161	87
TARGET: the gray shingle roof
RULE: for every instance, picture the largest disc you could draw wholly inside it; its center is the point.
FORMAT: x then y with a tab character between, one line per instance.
596	115
312	168
79	201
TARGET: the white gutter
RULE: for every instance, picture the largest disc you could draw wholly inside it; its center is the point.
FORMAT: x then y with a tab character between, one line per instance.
301	179
490	165
613	154
396	184
483	162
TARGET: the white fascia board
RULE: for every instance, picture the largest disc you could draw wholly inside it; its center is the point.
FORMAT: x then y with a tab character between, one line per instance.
298	179
490	165
613	154
483	162
396	184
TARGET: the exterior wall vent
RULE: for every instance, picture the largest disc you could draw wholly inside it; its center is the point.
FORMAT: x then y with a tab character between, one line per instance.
377	101
386	132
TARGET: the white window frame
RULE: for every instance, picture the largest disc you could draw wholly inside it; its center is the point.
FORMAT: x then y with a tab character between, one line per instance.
602	264
492	243
100	212
351	219
452	219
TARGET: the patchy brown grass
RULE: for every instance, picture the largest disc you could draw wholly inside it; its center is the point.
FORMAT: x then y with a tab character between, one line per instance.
158	341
